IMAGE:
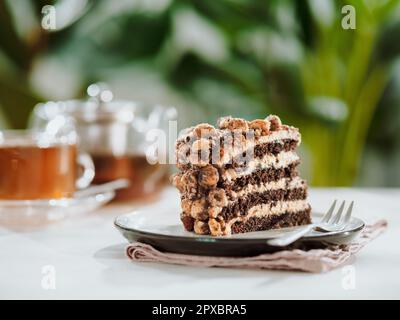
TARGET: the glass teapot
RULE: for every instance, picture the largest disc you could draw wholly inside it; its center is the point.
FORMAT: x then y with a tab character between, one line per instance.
114	132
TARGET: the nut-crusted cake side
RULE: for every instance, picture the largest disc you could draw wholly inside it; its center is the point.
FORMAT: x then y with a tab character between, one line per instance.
240	177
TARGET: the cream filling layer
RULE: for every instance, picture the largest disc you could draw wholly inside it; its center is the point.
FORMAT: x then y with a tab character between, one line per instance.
284	183
282	159
292	134
265	210
275	136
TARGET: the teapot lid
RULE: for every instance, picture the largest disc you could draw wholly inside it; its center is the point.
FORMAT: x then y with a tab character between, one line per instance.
98	107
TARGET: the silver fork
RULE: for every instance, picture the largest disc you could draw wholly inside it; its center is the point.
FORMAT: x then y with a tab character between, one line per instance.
329	222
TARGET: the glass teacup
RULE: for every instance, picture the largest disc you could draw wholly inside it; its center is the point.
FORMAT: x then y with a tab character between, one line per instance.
42	164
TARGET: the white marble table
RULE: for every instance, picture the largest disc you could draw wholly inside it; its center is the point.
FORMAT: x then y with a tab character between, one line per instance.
84	258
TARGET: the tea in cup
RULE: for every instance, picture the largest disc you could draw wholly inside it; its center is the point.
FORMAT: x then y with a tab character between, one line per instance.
41	165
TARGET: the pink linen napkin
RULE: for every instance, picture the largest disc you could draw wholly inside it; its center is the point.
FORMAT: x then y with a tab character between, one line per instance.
314	260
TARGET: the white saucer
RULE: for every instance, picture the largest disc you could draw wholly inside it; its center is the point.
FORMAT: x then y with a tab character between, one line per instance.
25	214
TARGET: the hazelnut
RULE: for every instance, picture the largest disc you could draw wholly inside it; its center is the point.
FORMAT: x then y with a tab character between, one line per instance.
217	198
201	145
200	227
213	212
198	209
186	205
204	130
233	124
275	122
189	182
208	176
215	227
260	127
200	152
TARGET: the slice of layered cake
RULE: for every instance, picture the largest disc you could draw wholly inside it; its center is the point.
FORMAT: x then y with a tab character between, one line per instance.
240	177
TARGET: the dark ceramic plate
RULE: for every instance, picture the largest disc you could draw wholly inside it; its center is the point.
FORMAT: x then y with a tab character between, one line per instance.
164	231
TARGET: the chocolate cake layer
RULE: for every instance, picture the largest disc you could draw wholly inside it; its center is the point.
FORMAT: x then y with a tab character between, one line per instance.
243	204
273	222
260	176
261	150
274	147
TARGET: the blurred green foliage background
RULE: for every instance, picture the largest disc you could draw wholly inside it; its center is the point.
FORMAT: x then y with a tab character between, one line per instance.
210	58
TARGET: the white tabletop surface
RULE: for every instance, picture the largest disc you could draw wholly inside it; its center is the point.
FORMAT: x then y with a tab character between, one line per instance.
84	259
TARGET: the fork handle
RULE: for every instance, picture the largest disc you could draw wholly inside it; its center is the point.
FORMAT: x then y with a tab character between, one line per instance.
290	237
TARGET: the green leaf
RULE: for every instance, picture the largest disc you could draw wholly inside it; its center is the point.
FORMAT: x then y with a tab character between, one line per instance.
17	102
10	43
327	109
388	44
